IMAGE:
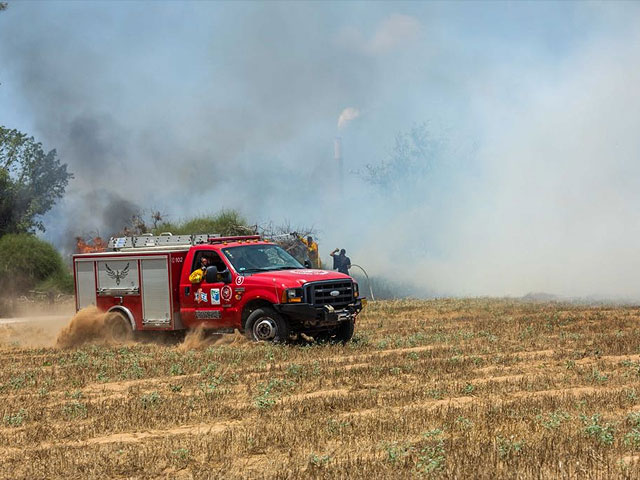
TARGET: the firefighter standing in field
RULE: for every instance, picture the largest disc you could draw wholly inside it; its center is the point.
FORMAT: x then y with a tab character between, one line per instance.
341	262
312	250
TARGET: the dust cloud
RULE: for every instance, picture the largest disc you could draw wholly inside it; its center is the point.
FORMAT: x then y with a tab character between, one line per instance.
33	324
199	338
90	325
36	332
34	328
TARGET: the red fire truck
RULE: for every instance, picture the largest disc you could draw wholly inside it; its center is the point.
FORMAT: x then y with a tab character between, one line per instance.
250	284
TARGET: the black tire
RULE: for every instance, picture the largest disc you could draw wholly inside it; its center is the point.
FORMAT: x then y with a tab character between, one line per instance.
266	325
118	327
341	334
323	337
344	332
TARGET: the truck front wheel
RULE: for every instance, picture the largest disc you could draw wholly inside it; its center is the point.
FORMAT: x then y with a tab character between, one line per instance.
266	325
341	334
344	332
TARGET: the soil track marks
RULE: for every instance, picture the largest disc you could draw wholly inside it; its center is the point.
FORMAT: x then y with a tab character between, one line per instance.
137	437
452	388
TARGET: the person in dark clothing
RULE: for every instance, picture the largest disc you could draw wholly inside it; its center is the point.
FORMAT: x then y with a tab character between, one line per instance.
341	262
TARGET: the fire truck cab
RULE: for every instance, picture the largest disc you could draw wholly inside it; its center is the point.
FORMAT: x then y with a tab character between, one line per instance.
250	284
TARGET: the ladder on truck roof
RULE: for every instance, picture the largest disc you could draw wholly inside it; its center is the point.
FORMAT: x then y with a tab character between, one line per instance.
168	240
163	240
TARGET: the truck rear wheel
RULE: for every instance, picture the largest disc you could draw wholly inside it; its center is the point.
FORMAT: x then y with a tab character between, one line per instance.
118	327
266	325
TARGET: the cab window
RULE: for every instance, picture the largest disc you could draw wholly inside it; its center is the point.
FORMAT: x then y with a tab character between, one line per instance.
214	259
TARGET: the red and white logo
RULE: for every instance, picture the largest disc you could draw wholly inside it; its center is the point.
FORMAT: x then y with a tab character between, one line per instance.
239	280
226	293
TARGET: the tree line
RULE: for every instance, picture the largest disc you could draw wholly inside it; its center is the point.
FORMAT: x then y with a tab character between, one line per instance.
32	180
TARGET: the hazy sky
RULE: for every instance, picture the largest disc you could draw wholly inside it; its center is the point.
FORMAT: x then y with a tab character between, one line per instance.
189	107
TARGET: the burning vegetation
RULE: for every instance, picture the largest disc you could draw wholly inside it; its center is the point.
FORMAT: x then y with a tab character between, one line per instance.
93	245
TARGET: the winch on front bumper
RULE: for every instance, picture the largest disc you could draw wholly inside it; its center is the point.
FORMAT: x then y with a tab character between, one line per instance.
308	316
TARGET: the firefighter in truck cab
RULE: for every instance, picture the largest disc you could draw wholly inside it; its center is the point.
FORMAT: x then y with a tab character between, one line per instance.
199	273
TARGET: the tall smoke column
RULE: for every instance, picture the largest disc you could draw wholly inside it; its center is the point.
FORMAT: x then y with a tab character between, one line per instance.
337	155
346	116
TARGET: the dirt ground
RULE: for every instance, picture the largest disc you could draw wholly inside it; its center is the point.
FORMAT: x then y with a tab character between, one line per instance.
35	324
474	388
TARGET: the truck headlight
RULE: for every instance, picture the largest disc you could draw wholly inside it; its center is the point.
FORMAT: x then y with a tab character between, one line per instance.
356	290
292	295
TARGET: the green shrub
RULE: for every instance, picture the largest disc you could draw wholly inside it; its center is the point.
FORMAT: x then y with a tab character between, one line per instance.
226	222
16	419
27	262
603	433
60	283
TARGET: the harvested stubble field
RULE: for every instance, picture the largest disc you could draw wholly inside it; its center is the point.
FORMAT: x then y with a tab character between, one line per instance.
447	388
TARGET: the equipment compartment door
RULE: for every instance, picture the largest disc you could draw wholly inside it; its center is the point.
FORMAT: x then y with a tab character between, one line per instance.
118	276
156	305
85	283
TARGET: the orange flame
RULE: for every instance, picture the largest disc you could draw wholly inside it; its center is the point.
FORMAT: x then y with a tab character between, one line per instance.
92	246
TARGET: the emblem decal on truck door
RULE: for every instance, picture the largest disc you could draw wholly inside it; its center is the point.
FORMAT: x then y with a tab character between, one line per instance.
117	275
200	296
226	293
215	296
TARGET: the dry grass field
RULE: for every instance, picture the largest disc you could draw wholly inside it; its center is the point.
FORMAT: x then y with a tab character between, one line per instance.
437	389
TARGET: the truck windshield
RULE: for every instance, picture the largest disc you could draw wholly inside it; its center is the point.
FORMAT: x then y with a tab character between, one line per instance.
260	258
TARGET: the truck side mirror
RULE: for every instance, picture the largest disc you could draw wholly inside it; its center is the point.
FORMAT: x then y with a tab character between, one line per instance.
226	275
307	264
211	275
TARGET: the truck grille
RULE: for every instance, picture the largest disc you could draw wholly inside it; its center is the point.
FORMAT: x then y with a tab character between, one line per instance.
319	293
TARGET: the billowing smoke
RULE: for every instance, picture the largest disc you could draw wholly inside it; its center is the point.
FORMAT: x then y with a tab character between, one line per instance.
348	114
527	178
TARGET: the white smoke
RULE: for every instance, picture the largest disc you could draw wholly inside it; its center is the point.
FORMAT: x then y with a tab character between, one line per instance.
348	114
553	204
395	30
393	33
536	190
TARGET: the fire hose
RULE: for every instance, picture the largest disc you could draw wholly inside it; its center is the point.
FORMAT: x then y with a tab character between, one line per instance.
368	281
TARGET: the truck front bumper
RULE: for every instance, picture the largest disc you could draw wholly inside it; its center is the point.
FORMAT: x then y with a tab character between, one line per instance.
318	317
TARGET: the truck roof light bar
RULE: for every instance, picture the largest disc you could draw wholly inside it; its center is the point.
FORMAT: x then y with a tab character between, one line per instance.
240	238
